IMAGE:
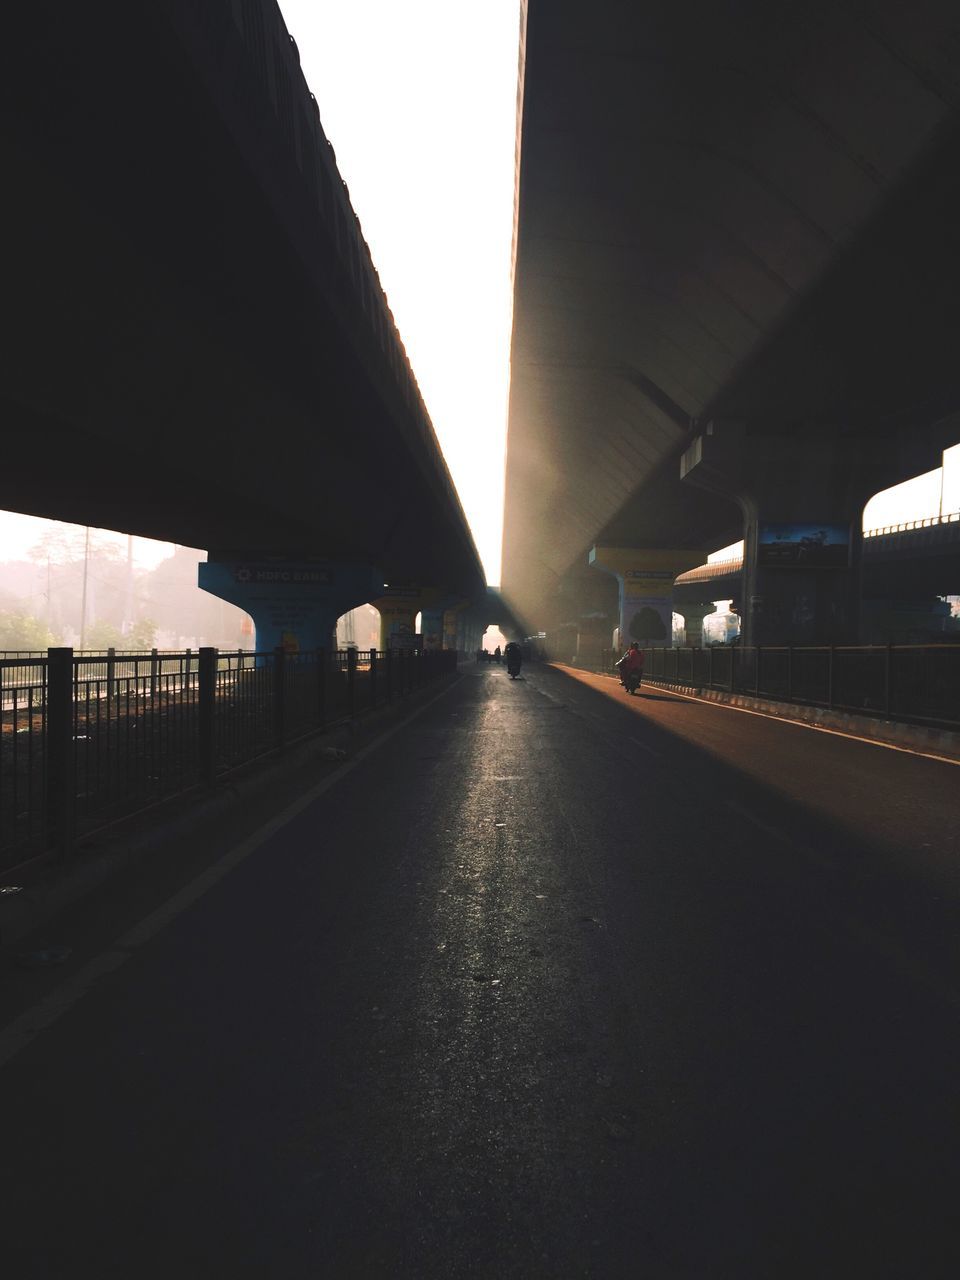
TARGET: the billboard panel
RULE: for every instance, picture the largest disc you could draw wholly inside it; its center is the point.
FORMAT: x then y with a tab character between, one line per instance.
646	607
806	546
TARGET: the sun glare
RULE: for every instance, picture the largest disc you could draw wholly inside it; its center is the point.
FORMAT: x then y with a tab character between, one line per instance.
419	102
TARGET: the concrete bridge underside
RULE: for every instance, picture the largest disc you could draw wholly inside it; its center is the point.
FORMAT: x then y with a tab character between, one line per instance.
199	348
725	213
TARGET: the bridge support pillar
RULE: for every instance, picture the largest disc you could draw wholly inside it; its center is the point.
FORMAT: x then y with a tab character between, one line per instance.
294	604
802	496
646	579
399	605
434	625
431	629
452	616
693	616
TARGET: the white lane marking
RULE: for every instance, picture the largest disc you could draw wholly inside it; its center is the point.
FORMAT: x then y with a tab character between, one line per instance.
768	830
802	724
643	747
19	1033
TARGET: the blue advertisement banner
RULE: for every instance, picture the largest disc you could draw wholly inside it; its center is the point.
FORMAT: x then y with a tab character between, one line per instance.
806	546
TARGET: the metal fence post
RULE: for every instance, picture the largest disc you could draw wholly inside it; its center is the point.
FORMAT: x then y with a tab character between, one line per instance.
60	751
733	657
154	674
111	680
351	682
185	677
321	687
279	697
373	678
888	680
206	702
756	674
710	666
388	662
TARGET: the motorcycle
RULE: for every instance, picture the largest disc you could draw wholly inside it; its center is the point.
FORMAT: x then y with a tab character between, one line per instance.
631	680
514	663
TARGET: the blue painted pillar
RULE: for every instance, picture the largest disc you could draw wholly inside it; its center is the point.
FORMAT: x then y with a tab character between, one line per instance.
294	604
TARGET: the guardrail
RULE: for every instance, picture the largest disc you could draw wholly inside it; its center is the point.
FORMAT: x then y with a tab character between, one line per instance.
905	526
86	739
734	563
917	684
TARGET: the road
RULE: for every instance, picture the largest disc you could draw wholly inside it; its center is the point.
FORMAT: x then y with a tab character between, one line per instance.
554	983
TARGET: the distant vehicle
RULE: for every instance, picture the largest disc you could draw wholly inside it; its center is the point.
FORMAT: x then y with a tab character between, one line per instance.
514	659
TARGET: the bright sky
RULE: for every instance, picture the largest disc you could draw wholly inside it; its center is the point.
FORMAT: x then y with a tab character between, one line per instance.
418	98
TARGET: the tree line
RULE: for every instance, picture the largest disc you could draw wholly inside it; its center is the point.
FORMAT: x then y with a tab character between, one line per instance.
82	589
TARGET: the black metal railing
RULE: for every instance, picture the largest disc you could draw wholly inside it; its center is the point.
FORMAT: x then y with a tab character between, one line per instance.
87	738
917	684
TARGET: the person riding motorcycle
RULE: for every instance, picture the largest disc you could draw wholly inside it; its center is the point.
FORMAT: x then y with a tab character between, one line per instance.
630	667
514	658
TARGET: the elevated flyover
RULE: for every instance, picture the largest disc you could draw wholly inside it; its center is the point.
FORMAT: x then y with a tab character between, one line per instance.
914	558
735	246
201	350
907	570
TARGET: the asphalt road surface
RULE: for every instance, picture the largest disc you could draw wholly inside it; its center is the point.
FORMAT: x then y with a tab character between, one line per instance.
557	982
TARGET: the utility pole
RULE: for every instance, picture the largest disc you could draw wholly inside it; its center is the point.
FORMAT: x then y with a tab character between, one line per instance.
128	619
83	594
